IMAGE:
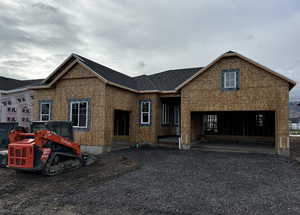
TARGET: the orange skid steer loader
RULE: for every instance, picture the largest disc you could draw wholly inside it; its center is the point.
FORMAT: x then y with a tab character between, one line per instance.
48	148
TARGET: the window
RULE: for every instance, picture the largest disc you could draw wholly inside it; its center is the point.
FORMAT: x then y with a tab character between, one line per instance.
145	112
8	109
259	120
165	118
176	115
211	123
79	114
230	79
45	111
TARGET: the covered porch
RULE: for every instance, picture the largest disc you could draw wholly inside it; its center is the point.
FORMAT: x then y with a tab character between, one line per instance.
169	119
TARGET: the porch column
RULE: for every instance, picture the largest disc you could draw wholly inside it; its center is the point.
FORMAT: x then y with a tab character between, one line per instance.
185	128
282	131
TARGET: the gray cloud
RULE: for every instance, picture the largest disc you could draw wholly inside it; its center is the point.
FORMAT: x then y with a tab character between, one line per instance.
138	37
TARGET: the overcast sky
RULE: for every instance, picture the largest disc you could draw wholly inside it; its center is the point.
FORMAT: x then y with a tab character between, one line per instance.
143	37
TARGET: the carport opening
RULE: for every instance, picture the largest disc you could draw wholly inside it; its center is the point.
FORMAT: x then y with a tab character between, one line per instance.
250	128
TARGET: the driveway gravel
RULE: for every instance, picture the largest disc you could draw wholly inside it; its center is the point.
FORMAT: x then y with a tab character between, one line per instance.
169	181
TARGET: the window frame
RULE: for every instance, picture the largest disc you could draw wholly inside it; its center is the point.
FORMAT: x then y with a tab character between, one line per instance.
145	112
41	110
210	123
165	114
225	79
87	115
176	115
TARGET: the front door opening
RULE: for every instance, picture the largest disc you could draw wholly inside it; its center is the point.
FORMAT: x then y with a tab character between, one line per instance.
121	123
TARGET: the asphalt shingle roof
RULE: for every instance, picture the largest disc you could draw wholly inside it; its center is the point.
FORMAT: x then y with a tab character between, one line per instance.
10	83
108	73
167	80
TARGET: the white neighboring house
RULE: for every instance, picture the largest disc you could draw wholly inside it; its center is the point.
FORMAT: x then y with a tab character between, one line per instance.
16	100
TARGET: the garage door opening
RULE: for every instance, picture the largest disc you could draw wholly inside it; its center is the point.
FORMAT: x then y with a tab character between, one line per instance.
235	128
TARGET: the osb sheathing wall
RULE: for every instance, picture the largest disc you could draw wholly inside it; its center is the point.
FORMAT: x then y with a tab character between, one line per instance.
78	83
119	99
145	133
259	90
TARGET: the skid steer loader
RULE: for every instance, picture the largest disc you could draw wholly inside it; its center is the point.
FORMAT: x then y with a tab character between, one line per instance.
48	148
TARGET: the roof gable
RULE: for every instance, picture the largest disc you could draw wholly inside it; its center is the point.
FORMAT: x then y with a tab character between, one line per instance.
234	54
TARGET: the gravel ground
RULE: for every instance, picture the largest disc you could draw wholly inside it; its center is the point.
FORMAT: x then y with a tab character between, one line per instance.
172	182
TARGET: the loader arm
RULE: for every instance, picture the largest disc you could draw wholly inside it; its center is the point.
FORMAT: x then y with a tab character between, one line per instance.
43	136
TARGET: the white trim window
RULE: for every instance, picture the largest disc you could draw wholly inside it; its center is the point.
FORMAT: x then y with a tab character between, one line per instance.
145	113
45	111
79	114
176	115
165	114
230	79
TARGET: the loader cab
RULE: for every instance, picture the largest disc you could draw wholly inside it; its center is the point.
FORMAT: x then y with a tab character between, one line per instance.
62	128
5	128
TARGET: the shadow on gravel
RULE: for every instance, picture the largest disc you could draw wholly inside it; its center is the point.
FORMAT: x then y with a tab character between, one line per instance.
31	193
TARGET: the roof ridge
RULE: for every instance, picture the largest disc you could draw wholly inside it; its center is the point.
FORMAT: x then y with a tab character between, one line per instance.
84	58
10	78
170	70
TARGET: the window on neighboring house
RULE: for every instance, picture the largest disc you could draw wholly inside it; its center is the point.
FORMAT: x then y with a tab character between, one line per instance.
8	119
79	114
8	109
165	118
9	103
19	100
14	110
230	79
45	111
145	113
211	123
